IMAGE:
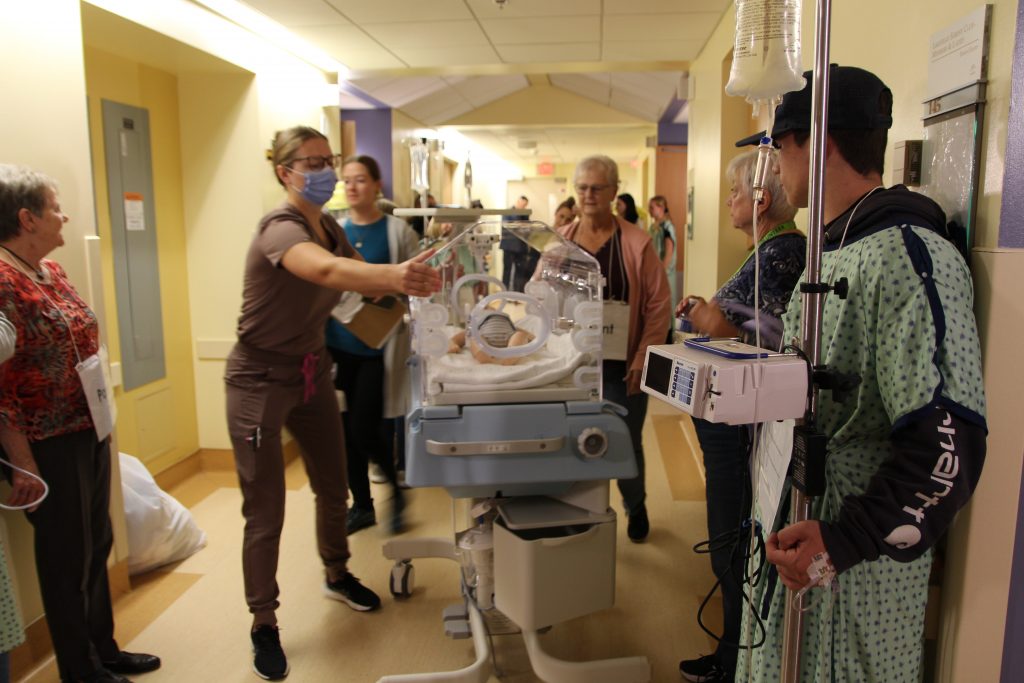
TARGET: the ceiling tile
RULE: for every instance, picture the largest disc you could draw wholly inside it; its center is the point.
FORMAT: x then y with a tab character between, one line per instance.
554	52
639	107
516	9
437	107
350	46
541	31
298	12
398	92
597	89
448	55
664	6
484	89
427	34
641	27
378	11
645	51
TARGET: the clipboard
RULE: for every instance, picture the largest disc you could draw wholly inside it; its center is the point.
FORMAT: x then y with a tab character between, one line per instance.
373	322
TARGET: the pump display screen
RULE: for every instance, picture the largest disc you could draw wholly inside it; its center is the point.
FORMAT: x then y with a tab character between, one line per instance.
659	373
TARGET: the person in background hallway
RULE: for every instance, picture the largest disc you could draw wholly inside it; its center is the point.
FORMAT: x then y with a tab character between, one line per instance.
565	213
375	381
518	260
635	279
663	232
279	374
419	223
12	633
625	208
46	428
907	446
782	251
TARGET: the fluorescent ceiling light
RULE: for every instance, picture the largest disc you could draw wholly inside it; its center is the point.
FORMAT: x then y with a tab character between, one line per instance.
267	28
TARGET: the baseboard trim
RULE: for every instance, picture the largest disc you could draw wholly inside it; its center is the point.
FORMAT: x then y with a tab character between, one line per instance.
34	651
210	460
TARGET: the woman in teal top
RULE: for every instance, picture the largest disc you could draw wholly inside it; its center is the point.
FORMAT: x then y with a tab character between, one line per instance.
375	381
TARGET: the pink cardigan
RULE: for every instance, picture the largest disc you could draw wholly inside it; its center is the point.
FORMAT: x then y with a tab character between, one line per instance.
650	304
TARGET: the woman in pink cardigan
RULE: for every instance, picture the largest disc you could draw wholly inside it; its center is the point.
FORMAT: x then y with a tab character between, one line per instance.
636	295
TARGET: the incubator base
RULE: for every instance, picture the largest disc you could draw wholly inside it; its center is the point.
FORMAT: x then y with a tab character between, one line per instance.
471	622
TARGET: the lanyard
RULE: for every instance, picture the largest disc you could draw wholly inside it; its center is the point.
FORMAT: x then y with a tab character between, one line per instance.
788	226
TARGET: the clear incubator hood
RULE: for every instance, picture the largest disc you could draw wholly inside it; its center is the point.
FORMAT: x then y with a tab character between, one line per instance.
479	341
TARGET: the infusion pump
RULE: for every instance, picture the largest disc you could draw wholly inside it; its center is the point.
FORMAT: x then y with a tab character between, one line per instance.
724	380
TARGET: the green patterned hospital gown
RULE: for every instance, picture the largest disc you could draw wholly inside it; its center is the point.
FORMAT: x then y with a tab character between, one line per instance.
885	331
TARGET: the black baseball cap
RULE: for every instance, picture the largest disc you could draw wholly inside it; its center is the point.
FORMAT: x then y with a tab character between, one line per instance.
853	104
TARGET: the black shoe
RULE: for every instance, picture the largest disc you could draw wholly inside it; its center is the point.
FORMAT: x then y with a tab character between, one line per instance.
132	663
638	526
103	676
348	590
268	660
359	518
704	670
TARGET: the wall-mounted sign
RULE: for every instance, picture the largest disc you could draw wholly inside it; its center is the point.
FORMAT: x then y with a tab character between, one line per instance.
134	211
545	168
959	53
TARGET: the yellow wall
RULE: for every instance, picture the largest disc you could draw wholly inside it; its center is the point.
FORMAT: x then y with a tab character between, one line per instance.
156	422
45	127
892	39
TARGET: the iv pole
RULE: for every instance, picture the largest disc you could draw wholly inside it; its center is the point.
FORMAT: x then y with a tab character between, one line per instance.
812	302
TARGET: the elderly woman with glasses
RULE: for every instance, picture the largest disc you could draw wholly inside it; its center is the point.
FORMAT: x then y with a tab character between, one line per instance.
279	375
781	249
637	309
49	429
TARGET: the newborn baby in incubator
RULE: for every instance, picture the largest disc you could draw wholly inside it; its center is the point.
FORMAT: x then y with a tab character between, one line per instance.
498	330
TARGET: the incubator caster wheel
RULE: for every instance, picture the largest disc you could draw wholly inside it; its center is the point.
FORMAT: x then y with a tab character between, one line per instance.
402	576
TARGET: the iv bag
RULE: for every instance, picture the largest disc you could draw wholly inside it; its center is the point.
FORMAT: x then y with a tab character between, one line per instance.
766	54
420	156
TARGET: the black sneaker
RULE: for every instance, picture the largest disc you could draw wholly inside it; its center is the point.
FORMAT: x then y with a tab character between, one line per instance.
268	660
638	526
704	670
348	590
359	518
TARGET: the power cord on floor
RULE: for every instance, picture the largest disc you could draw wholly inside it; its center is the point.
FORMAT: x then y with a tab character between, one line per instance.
737	540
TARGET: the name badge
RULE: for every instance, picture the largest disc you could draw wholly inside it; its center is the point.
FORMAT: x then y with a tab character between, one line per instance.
96	384
615	328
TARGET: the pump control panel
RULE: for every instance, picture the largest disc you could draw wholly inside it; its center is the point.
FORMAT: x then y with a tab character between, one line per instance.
724	380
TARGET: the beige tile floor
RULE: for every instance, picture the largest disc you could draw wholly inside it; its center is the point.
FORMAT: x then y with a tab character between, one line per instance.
193	613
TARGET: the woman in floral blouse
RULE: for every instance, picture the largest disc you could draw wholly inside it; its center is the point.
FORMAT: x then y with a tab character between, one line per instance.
46	428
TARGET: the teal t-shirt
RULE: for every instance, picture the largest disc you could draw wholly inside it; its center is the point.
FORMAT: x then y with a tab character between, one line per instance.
371	241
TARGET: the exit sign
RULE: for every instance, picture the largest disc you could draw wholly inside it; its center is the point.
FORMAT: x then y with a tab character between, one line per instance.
545	168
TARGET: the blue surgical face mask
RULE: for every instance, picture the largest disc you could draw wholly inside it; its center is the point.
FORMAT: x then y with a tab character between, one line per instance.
319	186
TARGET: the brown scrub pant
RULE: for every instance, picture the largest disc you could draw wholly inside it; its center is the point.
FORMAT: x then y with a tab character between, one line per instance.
266	392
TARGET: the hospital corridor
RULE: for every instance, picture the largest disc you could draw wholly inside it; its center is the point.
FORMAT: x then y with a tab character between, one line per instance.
511	341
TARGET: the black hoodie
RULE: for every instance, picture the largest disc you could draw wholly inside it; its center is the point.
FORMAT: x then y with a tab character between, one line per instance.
937	452
880	210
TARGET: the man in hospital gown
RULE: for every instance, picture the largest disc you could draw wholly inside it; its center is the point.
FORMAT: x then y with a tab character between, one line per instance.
906	448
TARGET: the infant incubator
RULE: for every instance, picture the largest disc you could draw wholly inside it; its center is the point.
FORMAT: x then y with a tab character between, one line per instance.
507	413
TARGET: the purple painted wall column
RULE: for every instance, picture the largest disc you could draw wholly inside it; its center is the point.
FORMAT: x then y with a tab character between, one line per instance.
373	138
1011	234
1011	224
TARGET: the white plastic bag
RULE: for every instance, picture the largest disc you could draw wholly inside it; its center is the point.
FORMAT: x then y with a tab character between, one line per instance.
160	529
766	54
